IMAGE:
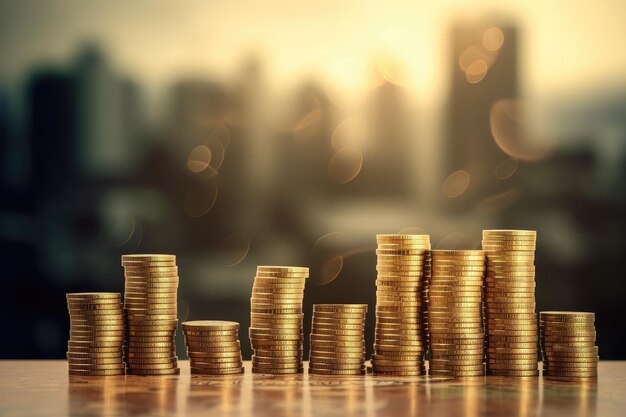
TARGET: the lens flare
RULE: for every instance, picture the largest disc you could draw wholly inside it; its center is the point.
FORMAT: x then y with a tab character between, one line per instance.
505	120
456	184
493	39
308	120
506	169
234	249
201	197
473	54
392	70
457	240
199	159
349	133
121	232
499	201
477	71
345	165
413	230
327	257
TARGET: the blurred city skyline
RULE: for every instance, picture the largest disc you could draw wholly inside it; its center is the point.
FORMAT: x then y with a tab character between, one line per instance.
566	45
120	134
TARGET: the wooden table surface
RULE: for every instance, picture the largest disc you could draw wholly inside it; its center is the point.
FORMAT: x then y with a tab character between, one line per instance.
43	388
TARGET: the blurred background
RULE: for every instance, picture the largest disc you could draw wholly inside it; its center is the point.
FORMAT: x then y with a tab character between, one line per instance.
234	134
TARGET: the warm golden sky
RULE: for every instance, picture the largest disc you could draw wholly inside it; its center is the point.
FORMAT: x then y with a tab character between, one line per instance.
566	44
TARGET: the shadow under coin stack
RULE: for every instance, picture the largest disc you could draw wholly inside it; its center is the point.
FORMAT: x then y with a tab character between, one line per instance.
213	347
337	339
403	267
150	310
510	302
276	333
457	337
568	345
96	334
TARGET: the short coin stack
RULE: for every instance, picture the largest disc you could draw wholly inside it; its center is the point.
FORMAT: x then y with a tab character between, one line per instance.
403	267
276	332
337	339
96	334
213	347
457	338
510	302
150	310
568	345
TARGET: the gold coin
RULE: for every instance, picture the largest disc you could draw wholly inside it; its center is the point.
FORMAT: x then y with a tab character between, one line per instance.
106	372
281	268
276	371
173	371
339	320
271	367
340	308
321	315
144	361
285	311
87	354
149	257
129	262
98	366
77	296
233	371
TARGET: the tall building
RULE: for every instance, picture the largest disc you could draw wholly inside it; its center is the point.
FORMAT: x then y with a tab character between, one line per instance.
484	69
51	121
106	122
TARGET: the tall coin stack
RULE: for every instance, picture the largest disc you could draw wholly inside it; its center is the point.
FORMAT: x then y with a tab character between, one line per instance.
403	267
568	345
213	347
457	338
510	302
337	339
150	310
96	334
276	332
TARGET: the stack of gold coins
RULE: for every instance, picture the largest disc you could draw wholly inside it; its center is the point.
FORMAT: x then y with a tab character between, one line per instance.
213	347
403	267
337	339
510	302
151	285
568	345
457	338
96	334
276	332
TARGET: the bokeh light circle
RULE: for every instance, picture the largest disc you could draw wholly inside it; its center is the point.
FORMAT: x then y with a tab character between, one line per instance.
200	198
345	165
476	71
327	257
234	249
493	39
456	184
199	159
505	120
121	232
350	133
506	169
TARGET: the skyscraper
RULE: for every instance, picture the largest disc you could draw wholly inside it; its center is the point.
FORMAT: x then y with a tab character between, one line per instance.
484	69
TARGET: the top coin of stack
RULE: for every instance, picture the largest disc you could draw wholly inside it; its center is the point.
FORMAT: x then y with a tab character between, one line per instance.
213	347
337	339
96	334
568	345
403	267
510	302
457	338
276	332
150	310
